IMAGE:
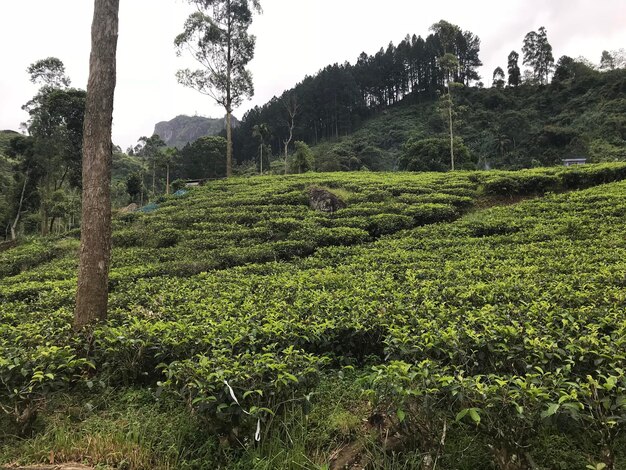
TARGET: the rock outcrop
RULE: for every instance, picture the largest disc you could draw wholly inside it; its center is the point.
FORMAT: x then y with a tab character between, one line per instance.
186	129
324	201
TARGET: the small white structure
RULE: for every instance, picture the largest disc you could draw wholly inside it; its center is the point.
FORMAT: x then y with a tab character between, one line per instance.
574	161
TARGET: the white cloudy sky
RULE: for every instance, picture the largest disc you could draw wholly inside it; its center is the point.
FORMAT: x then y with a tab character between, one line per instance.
294	38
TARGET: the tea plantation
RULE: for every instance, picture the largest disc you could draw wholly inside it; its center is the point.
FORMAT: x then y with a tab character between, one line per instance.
469	320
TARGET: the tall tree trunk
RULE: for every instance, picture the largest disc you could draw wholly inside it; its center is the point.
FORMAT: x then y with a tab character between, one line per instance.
167	179
229	98
291	105
44	211
95	249
451	130
286	151
229	144
451	138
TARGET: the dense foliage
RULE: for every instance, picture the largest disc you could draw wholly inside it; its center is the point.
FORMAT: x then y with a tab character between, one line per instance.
338	99
504	322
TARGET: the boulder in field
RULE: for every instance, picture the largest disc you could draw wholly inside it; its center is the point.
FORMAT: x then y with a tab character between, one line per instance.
324	201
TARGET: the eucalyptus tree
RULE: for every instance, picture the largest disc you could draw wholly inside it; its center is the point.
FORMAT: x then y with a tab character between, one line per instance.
262	133
290	103
607	62
515	75
151	148
538	54
167	158
55	123
49	72
216	36
95	244
28	172
449	63
498	77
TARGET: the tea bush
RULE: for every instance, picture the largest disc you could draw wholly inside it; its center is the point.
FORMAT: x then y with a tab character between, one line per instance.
505	322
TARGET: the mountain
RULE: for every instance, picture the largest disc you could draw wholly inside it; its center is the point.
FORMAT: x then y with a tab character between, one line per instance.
186	129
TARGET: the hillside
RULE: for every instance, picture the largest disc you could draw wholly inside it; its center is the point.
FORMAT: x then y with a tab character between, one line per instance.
183	130
451	315
5	138
507	128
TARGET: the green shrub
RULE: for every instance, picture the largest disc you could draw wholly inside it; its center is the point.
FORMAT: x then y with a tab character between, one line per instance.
385	224
431	213
502	186
165	238
126	238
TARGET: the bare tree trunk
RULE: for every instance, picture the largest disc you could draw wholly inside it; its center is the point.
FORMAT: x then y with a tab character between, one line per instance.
229	98
95	249
44	215
142	188
292	109
451	138
229	144
451	134
19	209
288	141
167	179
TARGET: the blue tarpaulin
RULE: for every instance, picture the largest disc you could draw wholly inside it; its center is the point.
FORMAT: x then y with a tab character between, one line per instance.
149	208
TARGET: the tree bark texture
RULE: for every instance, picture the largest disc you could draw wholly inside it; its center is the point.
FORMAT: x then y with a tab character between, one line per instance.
95	247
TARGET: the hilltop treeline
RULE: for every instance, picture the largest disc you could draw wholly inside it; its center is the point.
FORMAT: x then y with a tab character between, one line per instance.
366	114
581	113
340	97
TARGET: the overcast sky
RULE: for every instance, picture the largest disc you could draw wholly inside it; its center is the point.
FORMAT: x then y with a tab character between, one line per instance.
294	38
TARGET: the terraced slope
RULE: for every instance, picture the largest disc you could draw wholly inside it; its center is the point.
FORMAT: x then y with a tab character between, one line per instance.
505	322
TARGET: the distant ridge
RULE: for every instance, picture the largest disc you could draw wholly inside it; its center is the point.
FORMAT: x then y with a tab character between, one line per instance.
185	129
